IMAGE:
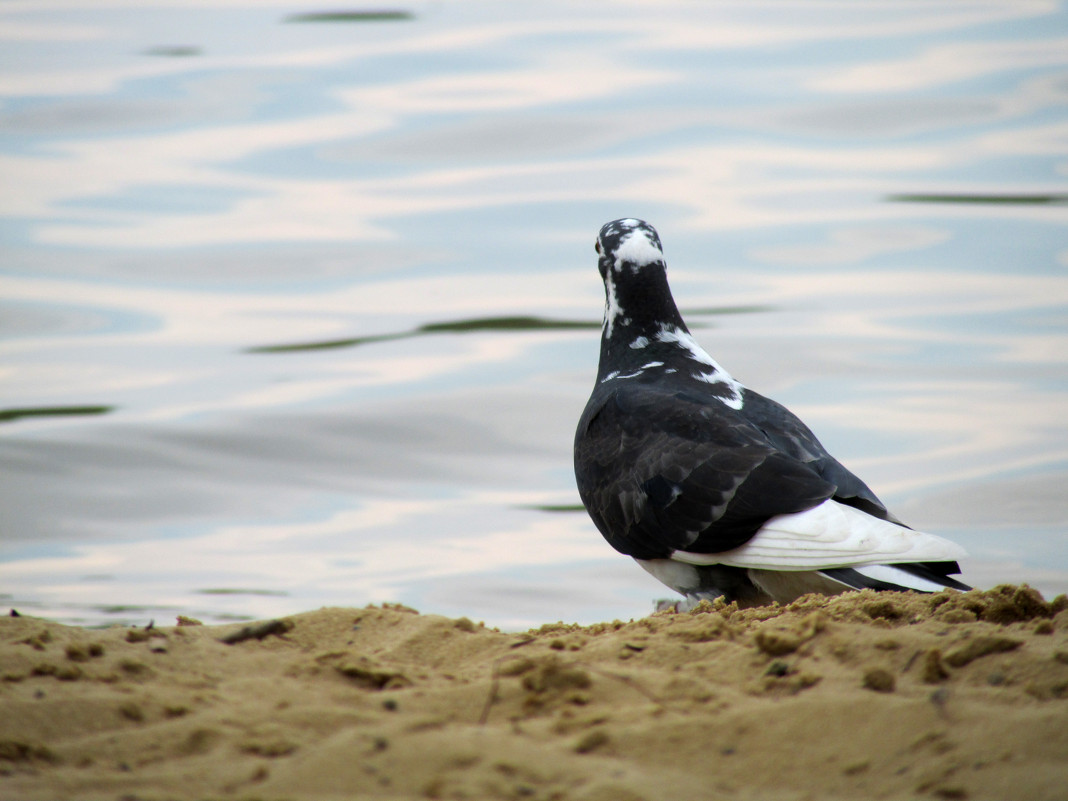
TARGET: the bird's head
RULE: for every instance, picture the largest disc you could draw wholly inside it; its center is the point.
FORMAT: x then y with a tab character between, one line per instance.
638	301
627	244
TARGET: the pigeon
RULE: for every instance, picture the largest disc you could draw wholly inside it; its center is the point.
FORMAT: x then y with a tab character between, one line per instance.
714	489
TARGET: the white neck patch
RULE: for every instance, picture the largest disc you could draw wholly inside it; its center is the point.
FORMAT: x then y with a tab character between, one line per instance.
676	336
717	375
611	306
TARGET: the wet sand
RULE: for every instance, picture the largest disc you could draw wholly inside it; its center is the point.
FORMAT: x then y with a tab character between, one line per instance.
866	695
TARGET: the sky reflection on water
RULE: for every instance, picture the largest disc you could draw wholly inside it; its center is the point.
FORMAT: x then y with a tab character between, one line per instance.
185	188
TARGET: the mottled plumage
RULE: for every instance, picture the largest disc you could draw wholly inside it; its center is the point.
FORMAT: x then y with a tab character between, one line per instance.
710	486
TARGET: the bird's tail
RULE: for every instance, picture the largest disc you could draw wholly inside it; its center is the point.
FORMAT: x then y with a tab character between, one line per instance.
919	576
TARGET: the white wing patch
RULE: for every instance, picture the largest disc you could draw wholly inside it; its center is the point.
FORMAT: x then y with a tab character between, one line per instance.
829	535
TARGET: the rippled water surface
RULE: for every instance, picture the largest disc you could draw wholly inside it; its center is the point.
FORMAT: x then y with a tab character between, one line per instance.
300	309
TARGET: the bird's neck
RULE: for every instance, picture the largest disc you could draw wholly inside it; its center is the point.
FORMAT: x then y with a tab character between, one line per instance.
638	309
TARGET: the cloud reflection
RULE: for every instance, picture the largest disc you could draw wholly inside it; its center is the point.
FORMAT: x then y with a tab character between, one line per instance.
944	64
349	557
390	185
712	182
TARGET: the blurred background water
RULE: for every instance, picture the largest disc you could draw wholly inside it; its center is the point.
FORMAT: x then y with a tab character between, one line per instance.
301	308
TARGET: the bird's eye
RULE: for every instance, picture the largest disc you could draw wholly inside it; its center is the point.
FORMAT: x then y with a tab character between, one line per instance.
597	246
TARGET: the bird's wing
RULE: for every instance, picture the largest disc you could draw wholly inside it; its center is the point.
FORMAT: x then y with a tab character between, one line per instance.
790	435
663	470
830	535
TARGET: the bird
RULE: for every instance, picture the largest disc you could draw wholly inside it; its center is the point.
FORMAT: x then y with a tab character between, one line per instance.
711	487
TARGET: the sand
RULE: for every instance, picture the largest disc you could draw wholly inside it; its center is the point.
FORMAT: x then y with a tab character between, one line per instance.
866	695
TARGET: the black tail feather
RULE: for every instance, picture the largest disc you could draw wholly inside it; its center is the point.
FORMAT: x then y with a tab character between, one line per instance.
937	572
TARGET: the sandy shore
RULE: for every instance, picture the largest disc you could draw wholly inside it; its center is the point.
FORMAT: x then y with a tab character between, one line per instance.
893	696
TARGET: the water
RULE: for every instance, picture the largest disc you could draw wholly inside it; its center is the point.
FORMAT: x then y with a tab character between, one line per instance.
302	312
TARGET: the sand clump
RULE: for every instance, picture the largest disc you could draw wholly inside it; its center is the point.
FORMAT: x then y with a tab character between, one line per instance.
865	695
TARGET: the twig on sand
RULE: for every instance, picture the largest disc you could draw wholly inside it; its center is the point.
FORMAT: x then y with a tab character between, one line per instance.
258	632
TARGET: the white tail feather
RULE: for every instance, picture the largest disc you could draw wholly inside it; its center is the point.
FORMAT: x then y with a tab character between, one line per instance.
894	575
